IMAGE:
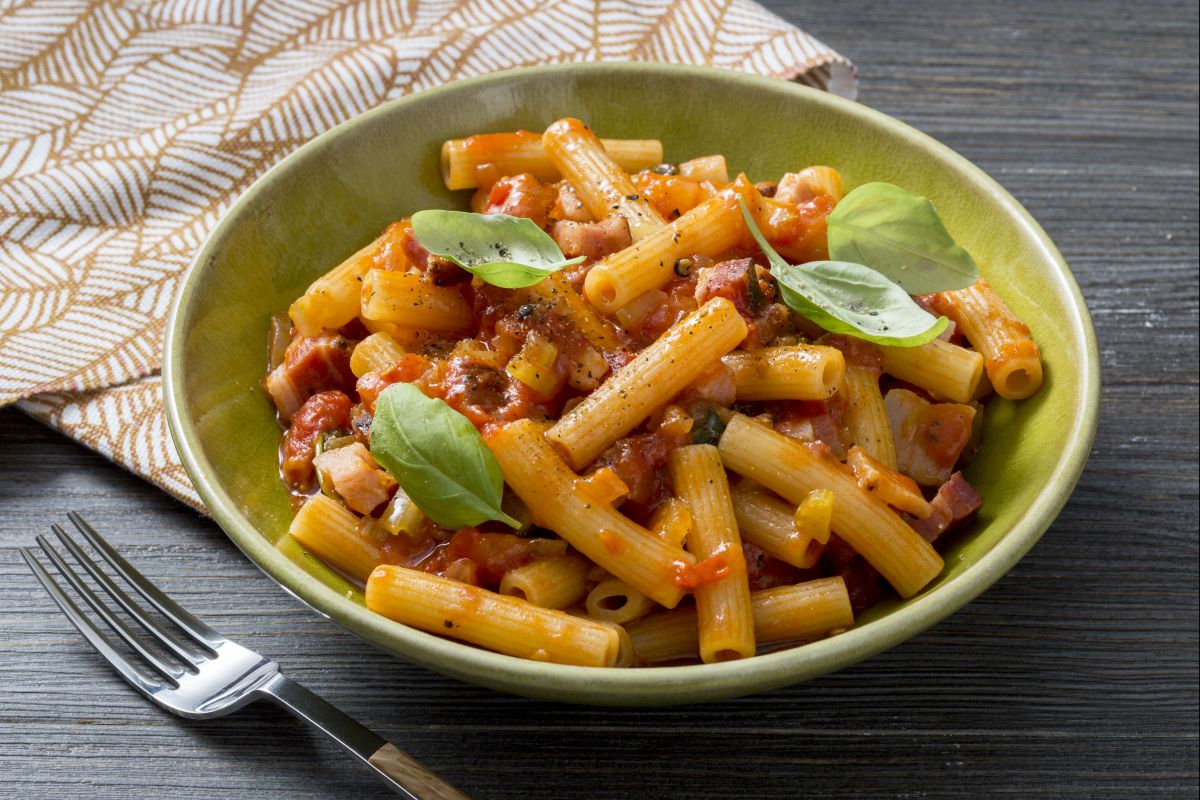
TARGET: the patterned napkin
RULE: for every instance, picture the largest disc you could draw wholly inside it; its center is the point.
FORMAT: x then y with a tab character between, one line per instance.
128	128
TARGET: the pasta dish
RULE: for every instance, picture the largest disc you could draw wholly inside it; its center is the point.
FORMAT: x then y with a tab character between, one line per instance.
629	412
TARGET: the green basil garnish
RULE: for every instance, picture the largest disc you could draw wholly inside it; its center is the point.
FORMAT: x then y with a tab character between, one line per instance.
438	458
849	298
509	252
900	235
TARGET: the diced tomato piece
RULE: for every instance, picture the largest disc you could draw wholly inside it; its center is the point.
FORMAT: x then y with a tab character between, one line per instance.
710	570
799	232
491	554
485	394
327	411
408	369
930	437
394	252
672	195
522	196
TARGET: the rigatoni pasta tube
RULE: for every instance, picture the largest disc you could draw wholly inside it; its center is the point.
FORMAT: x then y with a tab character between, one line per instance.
1012	359
413	300
800	187
789	372
706	168
943	369
865	522
377	351
649	381
549	582
613	600
672	521
533	470
333	299
330	531
599	181
804	611
866	417
522	151
807	609
768	522
497	622
709	229
723	606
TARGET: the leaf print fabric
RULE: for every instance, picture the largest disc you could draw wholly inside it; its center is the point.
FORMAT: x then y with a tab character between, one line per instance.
128	128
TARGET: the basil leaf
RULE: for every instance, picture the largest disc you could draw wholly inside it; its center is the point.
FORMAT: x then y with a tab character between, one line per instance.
849	298
901	235
509	252
438	458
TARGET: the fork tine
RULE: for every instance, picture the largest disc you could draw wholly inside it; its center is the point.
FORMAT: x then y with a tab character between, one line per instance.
165	637
168	669
133	675
169	608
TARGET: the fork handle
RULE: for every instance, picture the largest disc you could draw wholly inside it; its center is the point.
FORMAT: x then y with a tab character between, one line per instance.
398	770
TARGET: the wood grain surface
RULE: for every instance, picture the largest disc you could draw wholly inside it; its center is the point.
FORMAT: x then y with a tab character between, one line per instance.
1073	677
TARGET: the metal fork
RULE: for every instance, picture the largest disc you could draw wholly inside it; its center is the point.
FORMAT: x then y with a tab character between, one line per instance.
198	673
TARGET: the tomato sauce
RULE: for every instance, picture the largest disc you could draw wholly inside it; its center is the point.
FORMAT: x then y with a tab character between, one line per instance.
469	555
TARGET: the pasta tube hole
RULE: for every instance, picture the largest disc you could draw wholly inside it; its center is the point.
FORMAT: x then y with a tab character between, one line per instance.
601	289
1018	383
832	375
613	602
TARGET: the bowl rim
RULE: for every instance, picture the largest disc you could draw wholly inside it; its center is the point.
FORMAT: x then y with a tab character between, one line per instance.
658	685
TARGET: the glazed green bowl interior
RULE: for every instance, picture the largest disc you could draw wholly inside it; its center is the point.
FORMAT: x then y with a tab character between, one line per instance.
336	193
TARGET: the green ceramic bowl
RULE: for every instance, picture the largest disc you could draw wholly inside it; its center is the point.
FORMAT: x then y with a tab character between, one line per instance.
337	192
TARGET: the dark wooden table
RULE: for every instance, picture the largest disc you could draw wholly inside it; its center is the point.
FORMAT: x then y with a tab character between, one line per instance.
1074	676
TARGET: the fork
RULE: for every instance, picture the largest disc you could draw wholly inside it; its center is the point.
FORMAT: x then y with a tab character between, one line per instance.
196	672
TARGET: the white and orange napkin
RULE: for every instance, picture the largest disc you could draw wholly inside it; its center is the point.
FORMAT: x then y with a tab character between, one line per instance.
127	129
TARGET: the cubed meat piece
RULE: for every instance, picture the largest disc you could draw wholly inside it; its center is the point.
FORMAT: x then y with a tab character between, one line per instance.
739	282
353	474
310	365
929	437
751	289
594	240
955	503
813	421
